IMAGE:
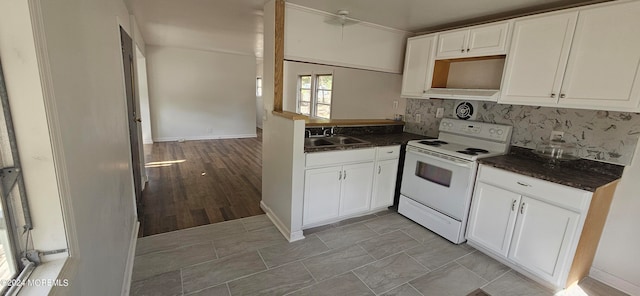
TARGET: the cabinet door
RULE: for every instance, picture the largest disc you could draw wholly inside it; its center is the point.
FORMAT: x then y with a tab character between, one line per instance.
603	71
384	185
542	238
357	181
321	194
418	66
492	217
488	40
536	61
452	44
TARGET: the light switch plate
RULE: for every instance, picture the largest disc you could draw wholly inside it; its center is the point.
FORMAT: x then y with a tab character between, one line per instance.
439	112
395	104
418	117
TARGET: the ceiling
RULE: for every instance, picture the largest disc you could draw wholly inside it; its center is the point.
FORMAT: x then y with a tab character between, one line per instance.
235	26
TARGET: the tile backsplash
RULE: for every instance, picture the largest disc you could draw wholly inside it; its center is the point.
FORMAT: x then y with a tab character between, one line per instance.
600	135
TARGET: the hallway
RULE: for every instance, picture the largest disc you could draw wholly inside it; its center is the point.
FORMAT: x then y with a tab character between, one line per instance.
196	183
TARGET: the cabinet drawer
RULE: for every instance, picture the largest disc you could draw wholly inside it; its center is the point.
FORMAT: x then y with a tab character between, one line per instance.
316	159
570	198
388	152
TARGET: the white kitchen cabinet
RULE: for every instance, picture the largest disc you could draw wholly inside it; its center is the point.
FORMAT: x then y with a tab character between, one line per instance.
542	237
604	61
576	59
357	180
337	184
348	183
418	66
547	231
492	217
475	41
537	58
384	184
321	194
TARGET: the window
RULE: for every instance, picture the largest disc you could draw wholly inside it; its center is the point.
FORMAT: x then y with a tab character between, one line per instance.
259	87
314	95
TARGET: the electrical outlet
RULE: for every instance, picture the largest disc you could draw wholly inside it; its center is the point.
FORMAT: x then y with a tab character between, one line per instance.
418	117
395	104
439	112
556	135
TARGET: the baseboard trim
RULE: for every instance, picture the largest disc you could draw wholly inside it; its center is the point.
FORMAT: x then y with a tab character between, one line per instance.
128	273
291	237
614	281
199	138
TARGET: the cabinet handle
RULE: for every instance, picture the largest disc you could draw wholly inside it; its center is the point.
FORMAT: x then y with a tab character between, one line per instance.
379	169
467	50
389	152
562	96
462	50
522	209
340	176
513	205
523	184
553	95
344	176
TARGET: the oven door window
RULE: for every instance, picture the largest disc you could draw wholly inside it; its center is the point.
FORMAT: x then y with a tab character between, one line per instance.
433	173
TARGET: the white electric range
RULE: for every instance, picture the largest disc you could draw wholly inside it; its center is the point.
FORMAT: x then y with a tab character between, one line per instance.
439	175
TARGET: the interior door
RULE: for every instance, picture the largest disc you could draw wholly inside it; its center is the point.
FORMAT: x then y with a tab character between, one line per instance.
132	114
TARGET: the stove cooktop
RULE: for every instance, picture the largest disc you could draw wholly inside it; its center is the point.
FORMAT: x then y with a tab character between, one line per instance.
455	149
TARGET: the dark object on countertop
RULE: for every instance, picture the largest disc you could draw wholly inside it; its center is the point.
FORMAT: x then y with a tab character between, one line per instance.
582	173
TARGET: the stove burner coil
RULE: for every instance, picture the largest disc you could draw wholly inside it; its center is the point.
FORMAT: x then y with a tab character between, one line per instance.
435	143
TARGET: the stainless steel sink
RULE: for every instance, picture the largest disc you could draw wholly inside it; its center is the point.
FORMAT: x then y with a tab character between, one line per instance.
317	142
344	140
332	141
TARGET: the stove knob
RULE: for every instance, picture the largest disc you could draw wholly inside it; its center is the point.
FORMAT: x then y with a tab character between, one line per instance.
492	131
500	132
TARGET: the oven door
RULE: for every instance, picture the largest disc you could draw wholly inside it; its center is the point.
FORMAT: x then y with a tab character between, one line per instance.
442	183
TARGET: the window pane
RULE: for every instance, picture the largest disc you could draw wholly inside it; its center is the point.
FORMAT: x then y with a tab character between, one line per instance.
305	108
325	82
259	87
323	110
305	81
305	95
324	96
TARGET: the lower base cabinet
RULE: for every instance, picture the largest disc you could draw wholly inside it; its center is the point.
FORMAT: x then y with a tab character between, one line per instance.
344	184
543	229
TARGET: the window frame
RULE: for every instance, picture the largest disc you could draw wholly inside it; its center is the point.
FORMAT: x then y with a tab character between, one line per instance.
313	103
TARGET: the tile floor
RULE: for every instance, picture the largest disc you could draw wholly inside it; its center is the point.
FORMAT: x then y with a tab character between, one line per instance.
381	254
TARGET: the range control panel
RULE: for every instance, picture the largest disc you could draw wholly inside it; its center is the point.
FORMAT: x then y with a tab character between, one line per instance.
484	130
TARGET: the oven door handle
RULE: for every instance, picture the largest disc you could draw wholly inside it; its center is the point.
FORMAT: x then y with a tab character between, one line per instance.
448	160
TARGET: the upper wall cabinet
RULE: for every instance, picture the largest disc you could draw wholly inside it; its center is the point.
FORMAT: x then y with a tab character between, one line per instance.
475	41
580	59
318	37
418	66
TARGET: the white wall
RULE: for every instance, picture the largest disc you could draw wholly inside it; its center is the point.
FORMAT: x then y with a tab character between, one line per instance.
617	261
357	94
311	36
86	113
200	94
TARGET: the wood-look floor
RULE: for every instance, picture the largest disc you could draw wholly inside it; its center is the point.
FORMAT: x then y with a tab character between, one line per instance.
201	182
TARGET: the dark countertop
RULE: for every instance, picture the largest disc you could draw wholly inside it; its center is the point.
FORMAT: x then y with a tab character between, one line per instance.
582	173
374	140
